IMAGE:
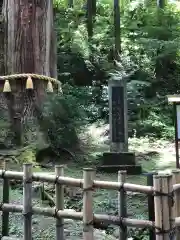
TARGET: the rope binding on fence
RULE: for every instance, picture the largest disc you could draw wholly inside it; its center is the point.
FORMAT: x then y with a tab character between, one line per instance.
29	81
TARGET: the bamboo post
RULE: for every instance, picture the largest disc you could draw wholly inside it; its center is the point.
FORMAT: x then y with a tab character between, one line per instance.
42	192
122	205
176	207
88	174
59	170
5	215
161	205
171	205
151	205
27	200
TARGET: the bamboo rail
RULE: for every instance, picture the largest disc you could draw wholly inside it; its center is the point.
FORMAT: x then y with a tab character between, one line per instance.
164	191
53	212
52	178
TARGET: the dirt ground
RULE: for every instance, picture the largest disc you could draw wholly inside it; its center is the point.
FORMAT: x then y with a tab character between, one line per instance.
152	155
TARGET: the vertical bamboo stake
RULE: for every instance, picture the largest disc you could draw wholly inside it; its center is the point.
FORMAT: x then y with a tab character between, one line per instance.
42	192
88	174
27	201
166	205
176	207
122	205
5	215
161	204
59	170
171	205
151	205
158	206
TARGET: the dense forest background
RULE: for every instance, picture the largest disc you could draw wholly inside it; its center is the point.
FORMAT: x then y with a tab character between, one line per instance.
150	57
149	51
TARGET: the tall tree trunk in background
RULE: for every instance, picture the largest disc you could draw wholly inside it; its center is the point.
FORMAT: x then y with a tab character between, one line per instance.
117	29
90	19
162	63
70	3
1	40
161	3
30	48
91	13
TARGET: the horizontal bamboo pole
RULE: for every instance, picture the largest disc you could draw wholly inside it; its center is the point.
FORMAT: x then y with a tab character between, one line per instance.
176	187
177	221
11	174
74	182
126	186
51	212
51	178
78	182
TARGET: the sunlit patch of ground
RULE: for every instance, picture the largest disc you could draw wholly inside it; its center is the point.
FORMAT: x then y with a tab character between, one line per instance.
154	154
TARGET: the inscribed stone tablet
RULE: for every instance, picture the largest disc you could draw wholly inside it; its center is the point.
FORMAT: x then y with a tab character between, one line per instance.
118	134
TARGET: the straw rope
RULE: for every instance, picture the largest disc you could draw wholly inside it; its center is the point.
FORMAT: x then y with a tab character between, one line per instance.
33	75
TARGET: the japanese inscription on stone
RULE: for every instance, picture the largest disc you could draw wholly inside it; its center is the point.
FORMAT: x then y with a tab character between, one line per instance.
118	134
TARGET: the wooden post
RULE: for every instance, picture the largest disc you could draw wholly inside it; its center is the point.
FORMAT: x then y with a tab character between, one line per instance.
122	205
59	170
176	207
151	205
88	174
5	215
171	206
27	201
42	192
161	205
176	134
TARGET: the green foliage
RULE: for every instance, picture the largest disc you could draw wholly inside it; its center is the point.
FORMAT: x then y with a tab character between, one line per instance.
150	49
63	118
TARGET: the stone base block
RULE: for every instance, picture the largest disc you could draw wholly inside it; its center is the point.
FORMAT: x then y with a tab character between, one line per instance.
112	162
118	158
131	169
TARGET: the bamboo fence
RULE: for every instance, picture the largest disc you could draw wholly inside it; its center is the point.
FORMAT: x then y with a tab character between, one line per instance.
165	192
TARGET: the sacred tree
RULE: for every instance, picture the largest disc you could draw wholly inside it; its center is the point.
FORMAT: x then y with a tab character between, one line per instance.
28	44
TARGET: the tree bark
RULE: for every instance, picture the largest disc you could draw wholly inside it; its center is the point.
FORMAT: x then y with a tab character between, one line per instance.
30	48
117	28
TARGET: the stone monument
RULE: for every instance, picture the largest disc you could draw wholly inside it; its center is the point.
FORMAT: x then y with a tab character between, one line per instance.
118	158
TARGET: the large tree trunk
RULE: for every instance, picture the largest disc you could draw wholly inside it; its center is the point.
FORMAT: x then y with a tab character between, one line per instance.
30	48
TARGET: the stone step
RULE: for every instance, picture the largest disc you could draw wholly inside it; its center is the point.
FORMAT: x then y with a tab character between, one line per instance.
131	169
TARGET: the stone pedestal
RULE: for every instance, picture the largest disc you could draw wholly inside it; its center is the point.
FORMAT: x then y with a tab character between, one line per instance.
118	158
113	162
